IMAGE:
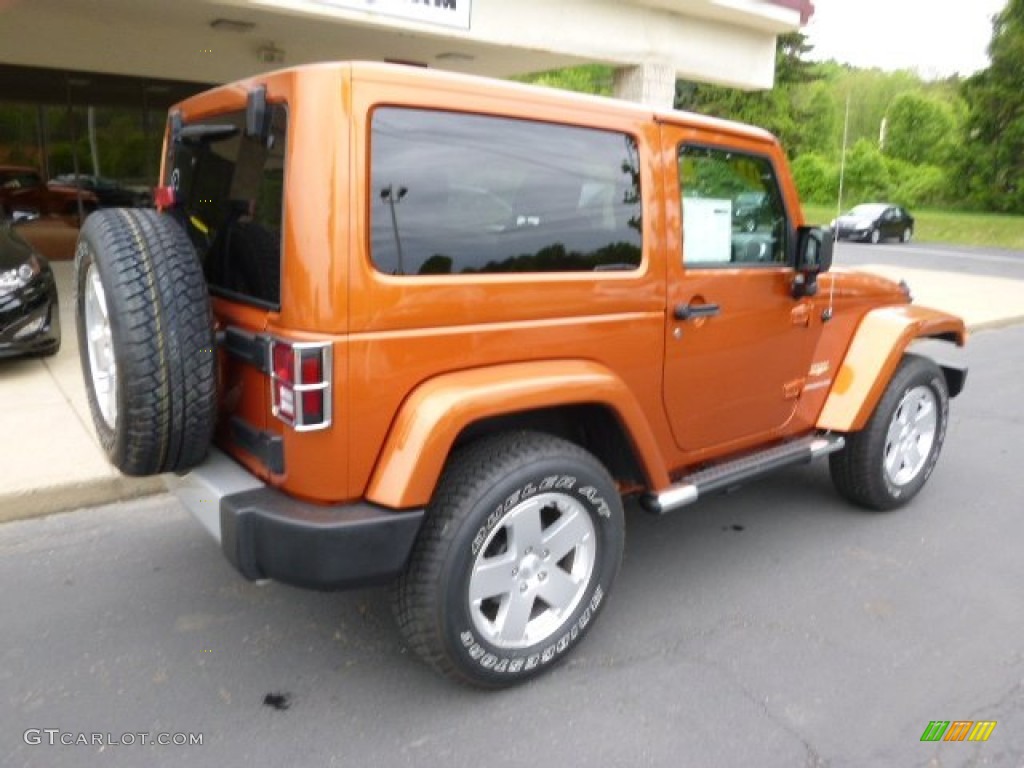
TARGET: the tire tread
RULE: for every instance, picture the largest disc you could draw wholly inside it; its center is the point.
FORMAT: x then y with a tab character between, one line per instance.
417	603
163	337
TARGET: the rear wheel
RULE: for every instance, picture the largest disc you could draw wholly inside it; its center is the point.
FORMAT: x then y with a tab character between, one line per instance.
908	233
146	341
520	548
888	462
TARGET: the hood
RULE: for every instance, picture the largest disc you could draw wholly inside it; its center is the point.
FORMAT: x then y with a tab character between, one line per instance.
14	251
846	283
855	221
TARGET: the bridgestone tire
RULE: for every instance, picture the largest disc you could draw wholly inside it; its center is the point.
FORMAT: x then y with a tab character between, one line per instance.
520	522
150	368
885	465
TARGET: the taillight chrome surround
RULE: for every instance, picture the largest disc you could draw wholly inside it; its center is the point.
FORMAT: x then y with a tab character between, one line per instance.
292	387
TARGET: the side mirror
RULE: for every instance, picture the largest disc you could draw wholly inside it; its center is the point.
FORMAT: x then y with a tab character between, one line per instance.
814	248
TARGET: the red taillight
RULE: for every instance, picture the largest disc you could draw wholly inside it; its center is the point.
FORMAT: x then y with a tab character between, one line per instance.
311	370
302	369
283	380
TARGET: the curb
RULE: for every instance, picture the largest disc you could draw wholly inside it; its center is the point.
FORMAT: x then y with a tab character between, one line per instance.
65	497
999	322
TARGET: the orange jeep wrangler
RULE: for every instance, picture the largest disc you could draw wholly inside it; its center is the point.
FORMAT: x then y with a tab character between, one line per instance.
401	326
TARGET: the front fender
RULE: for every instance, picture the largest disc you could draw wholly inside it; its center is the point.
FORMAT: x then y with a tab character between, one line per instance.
437	411
877	347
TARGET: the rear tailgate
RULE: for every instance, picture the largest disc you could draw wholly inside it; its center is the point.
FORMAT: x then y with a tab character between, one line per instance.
228	194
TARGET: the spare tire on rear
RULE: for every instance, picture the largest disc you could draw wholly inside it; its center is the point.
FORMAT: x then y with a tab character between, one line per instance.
145	337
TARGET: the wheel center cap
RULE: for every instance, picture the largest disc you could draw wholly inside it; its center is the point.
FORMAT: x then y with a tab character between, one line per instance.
528	566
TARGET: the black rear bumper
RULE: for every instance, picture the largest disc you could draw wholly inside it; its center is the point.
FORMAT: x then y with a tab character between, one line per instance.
266	534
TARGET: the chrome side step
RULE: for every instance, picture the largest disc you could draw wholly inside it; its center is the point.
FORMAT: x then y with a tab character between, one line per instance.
730	473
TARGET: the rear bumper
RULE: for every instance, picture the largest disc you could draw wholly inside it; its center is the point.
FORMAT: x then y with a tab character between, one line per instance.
268	535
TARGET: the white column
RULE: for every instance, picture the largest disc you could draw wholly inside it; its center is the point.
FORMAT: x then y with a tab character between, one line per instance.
650	83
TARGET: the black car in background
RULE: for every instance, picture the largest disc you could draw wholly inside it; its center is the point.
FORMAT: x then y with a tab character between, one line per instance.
874	222
29	317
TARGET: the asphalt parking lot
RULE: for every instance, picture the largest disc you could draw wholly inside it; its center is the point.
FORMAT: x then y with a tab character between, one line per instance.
958	259
772	627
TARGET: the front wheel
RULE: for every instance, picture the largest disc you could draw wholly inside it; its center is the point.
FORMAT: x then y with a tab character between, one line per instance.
885	465
520	548
875	237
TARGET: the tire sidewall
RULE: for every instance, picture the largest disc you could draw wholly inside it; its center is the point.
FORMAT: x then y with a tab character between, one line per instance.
474	656
88	253
933	380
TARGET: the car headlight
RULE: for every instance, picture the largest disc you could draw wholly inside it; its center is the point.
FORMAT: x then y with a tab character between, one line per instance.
13	279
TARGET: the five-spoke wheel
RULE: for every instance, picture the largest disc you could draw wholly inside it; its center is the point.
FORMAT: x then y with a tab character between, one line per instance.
519	548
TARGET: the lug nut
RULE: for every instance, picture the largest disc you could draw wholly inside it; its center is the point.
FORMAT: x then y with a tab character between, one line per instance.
542	575
545	554
523	587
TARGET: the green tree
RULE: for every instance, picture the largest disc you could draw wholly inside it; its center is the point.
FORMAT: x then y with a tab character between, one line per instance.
867	176
993	158
588	78
818	118
919	129
917	185
773	110
817	179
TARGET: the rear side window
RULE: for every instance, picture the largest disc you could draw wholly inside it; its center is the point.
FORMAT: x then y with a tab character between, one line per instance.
229	191
453	193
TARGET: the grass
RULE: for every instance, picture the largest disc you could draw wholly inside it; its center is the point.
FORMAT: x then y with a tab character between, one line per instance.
990	230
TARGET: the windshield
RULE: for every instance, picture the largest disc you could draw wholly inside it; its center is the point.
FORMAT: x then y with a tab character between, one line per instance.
867	211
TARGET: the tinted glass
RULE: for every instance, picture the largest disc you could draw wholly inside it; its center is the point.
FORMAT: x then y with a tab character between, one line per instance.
229	189
733	214
462	194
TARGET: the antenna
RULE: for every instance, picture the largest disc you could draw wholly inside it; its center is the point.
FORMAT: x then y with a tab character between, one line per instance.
839	203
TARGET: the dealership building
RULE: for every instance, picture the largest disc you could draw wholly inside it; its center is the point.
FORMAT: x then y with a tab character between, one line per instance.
86	83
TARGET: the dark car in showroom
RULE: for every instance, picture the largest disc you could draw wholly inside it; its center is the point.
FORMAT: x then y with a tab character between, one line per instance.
109	193
875	222
29	316
23	191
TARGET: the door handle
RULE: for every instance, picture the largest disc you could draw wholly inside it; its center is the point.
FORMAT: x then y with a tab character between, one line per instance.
693	311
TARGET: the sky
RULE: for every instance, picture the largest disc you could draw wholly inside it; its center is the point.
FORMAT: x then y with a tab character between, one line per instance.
935	37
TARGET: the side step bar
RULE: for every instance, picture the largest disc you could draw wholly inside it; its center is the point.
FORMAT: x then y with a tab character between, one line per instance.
730	473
